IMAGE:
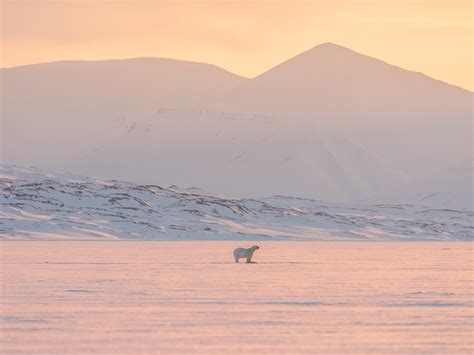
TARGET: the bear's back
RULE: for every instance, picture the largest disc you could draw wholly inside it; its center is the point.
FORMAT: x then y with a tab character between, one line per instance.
241	251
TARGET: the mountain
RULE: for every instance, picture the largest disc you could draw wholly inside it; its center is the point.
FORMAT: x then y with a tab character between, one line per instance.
38	204
329	124
333	82
68	104
418	126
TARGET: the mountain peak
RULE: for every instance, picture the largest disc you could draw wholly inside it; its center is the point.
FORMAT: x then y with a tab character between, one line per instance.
326	56
329	45
331	51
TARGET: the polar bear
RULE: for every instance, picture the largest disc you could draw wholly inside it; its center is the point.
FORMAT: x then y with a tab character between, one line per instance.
245	253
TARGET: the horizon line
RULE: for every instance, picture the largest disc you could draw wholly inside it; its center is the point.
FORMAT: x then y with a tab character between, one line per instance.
231	72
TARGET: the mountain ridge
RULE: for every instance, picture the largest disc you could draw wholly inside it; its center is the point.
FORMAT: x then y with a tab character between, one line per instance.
132	59
340	81
321	45
334	46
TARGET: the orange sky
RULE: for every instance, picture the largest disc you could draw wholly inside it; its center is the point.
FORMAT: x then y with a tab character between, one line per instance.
245	37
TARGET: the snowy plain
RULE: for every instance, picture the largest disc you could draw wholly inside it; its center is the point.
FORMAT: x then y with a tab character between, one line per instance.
191	298
111	267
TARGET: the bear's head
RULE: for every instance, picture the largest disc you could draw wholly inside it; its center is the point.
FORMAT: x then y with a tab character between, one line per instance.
255	247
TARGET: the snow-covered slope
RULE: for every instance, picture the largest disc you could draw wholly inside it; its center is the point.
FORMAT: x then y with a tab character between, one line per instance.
39	204
417	127
329	124
250	155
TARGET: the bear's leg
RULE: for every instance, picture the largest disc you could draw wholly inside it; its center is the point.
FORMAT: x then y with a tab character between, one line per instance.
236	258
249	259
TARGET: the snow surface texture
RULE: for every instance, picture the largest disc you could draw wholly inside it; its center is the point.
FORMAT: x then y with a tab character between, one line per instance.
330	124
191	298
43	205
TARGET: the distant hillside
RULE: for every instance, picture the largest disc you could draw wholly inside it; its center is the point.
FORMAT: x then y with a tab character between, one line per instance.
330	124
44	205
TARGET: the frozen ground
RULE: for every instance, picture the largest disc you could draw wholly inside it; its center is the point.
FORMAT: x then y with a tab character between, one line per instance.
190	298
43	205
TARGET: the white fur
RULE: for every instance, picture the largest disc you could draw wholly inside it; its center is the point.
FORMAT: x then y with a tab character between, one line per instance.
245	253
